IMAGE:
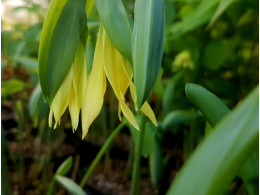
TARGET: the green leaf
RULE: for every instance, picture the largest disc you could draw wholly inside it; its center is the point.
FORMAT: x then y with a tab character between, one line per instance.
249	171
223	5
64	26
117	24
70	185
210	105
11	87
147	45
219	157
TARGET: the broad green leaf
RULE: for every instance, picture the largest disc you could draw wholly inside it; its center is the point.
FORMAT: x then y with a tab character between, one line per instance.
210	105
223	5
70	185
176	117
249	168
29	63
155	163
63	169
64	26
147	45
219	157
11	87
117	24
199	16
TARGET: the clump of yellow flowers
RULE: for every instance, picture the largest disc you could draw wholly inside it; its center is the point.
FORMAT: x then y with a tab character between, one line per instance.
86	93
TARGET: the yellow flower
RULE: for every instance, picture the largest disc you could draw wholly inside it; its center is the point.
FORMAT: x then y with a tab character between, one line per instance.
86	93
108	62
72	91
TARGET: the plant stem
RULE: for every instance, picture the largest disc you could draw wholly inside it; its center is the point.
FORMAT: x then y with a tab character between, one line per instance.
101	153
135	186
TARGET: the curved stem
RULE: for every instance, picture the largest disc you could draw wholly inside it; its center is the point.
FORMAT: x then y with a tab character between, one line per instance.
135	186
101	153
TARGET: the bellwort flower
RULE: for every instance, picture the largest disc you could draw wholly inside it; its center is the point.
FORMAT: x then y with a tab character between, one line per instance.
84	92
72	91
108	62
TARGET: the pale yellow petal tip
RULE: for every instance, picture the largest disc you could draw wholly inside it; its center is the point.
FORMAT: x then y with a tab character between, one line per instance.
134	123
55	125
155	123
147	110
74	128
74	124
136	126
84	133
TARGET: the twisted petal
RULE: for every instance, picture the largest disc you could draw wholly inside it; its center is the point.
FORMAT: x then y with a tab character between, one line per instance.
96	86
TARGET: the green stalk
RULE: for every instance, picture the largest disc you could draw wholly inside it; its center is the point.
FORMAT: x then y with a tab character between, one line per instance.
135	186
101	153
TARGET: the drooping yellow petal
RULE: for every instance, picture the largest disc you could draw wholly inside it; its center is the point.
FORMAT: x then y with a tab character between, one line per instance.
114	69
127	112
74	110
133	94
80	74
96	86
147	110
61	99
